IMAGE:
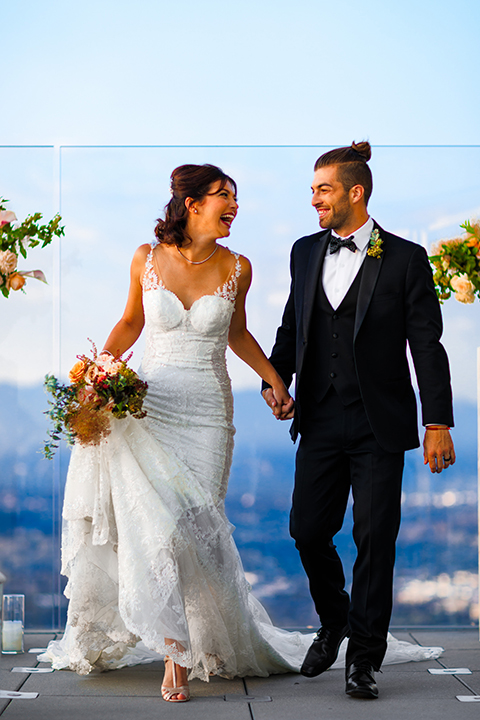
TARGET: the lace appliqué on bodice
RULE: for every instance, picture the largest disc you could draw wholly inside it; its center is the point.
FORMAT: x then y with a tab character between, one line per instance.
150	279
228	290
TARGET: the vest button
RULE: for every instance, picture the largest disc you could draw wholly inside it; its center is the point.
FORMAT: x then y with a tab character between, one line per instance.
335	335
333	375
334	355
335	317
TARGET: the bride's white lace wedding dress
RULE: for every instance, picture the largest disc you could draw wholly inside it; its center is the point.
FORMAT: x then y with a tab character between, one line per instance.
146	547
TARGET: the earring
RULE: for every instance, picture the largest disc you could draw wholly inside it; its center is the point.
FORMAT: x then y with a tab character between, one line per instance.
195	211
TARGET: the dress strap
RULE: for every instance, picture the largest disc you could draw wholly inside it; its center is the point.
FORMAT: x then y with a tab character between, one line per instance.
150	280
230	288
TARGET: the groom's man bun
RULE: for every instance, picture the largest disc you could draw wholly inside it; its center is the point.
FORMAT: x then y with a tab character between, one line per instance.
364	149
352	166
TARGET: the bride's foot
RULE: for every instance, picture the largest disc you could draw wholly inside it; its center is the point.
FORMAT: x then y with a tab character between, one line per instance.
175	684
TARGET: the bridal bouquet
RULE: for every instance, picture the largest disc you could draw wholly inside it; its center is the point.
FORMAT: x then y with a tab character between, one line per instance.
100	388
456	265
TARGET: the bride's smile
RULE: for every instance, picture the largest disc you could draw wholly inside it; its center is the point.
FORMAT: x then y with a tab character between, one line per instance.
212	217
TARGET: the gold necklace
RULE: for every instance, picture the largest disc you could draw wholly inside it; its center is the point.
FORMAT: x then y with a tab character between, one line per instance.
198	262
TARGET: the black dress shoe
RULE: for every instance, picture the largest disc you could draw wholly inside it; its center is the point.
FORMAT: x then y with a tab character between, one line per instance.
361	680
323	651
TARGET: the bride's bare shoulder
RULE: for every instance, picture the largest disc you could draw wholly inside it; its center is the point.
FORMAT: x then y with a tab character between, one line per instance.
141	253
245	264
137	268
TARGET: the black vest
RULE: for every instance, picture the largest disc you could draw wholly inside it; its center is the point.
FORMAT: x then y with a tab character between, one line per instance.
329	359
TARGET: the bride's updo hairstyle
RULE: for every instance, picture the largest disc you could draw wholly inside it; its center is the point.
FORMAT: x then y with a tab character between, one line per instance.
352	166
187	181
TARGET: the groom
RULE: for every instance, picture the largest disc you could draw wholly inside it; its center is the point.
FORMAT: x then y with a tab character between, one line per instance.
358	295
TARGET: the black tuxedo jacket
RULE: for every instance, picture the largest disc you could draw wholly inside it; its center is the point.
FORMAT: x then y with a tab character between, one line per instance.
396	305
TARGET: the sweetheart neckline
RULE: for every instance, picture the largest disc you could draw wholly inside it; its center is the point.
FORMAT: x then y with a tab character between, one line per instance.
187	310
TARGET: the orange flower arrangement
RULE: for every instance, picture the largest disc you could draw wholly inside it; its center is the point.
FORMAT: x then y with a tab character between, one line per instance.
456	265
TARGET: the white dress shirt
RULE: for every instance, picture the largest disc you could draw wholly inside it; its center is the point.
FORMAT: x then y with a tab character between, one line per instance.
341	268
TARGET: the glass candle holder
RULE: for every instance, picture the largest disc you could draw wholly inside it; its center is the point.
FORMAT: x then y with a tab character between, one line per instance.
13	618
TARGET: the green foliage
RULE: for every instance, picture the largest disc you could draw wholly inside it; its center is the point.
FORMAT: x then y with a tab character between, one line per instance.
58	413
17	238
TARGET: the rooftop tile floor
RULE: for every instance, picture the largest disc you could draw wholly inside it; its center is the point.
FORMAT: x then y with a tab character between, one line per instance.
406	691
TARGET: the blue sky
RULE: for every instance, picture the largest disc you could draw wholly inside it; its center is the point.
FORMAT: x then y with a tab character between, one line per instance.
251	72
217	73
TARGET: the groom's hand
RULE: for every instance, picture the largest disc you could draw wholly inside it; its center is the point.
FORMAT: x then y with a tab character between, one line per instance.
438	450
283	410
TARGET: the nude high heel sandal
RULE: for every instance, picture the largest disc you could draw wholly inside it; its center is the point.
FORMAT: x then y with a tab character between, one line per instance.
169	692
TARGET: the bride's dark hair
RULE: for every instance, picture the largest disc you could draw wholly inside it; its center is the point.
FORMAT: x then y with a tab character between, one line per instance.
193	181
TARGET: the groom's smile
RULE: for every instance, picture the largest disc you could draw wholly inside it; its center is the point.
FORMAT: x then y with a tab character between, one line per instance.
332	202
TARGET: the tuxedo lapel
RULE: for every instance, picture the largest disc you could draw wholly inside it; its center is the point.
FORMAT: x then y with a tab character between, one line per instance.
371	270
315	263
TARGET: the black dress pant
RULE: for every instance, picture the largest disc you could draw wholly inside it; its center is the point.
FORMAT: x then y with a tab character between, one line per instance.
338	451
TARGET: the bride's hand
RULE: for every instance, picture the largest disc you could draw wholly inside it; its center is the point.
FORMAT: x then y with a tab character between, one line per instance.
279	399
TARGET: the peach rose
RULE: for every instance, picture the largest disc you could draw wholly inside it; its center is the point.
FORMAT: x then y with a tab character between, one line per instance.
7	217
8	262
77	372
464	289
15	281
91	374
87	394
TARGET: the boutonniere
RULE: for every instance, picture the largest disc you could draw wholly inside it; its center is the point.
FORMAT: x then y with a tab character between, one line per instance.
375	244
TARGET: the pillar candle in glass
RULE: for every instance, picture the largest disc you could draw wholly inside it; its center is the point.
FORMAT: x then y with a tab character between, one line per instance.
13	618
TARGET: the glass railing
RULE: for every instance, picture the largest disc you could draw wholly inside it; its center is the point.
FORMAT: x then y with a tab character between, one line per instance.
109	198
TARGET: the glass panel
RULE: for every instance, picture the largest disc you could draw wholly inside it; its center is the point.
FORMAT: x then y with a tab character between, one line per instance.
29	486
110	198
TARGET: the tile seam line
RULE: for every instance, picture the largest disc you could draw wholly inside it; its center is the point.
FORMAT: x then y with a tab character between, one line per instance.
457	677
250	709
19	689
460	680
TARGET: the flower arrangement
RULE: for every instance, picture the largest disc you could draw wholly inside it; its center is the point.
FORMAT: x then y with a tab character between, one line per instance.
375	244
100	388
14	240
456	265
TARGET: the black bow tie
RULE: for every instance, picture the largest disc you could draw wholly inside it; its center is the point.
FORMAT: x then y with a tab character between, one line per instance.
337	242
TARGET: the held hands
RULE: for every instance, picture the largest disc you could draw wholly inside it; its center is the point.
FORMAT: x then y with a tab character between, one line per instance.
280	402
438	450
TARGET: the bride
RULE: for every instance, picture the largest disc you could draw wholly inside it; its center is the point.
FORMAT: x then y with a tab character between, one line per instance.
147	549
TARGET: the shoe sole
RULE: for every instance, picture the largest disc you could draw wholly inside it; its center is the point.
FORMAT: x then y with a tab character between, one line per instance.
365	694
